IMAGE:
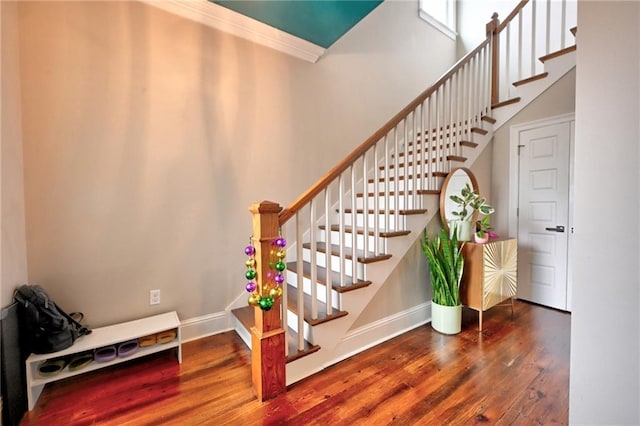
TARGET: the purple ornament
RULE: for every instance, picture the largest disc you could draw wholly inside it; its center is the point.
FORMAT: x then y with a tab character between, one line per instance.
281	242
279	278
249	250
251	286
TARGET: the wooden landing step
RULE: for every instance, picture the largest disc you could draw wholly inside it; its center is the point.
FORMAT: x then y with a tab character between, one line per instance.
360	231
557	53
246	317
361	256
403	212
419	176
321	277
531	79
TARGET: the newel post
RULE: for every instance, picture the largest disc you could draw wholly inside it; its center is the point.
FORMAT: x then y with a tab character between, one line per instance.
492	31
267	335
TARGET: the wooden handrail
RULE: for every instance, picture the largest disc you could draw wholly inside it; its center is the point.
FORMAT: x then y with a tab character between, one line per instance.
321	184
512	15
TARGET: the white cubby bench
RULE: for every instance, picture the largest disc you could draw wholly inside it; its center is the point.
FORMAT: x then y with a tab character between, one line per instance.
99	338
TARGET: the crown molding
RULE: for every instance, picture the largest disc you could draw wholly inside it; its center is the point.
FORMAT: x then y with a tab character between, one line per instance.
223	19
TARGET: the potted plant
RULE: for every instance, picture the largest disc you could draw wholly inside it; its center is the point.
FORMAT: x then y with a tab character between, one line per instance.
446	265
469	202
483	230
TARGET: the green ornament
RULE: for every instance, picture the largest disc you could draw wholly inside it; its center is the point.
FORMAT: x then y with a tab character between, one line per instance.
266	303
250	274
280	266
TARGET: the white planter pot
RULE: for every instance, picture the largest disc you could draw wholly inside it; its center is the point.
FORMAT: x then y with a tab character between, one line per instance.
464	227
446	319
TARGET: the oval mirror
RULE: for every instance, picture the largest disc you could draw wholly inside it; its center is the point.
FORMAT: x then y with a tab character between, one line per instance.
453	184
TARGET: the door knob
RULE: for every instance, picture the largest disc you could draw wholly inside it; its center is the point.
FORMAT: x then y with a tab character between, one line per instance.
558	228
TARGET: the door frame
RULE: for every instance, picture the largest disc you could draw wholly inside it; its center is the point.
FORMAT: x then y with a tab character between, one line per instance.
514	175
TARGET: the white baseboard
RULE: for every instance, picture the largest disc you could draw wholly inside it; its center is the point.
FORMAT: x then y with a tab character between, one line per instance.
206	325
387	328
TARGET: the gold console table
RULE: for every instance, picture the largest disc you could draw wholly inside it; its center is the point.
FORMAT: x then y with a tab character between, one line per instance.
490	274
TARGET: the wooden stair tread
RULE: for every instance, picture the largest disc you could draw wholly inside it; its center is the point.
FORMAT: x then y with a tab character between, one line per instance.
433	160
321	277
361	256
488	119
404	212
469	144
558	53
418	176
505	103
479	131
531	79
393	193
292	305
246	317
437	148
383	234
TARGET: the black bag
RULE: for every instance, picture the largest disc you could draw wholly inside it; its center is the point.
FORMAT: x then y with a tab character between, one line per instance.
47	327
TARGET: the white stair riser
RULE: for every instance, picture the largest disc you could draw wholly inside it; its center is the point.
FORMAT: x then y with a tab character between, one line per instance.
335	239
292	322
321	259
383	223
321	294
410	203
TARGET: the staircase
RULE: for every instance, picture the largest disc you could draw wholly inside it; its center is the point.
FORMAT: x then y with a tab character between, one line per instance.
350	231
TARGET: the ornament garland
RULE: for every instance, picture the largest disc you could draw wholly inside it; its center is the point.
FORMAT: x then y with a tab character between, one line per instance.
271	289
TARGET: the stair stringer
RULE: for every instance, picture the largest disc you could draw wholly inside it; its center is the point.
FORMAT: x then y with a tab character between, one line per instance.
556	67
329	335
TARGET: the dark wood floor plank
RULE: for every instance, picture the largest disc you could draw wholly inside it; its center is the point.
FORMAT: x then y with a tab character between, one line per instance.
515	372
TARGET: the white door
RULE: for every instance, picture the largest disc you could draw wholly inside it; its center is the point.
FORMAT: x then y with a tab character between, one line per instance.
543	214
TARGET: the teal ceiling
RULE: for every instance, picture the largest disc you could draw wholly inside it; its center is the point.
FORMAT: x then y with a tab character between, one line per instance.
321	22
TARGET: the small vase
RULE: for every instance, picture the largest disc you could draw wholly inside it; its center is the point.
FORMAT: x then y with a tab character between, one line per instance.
481	240
446	319
464	229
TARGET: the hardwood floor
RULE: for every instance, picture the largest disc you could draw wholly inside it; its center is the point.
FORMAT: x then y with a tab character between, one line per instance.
515	372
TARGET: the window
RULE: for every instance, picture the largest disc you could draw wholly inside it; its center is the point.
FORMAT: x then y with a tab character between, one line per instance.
441	14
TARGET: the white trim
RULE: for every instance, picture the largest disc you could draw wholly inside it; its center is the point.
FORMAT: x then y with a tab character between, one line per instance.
377	332
206	325
447	28
223	19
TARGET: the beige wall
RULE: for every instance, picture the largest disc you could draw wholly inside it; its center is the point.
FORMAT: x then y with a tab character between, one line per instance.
557	100
605	372
145	134
13	253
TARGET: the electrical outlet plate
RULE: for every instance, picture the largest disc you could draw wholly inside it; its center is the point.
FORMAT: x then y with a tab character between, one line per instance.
154	297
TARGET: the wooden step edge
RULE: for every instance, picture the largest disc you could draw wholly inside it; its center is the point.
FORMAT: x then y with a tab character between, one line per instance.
469	144
392	234
347	288
410	163
335	315
557	53
457	158
505	103
441	147
403	212
574	31
531	79
360	231
488	119
410	177
294	353
429	191
479	131
408	193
